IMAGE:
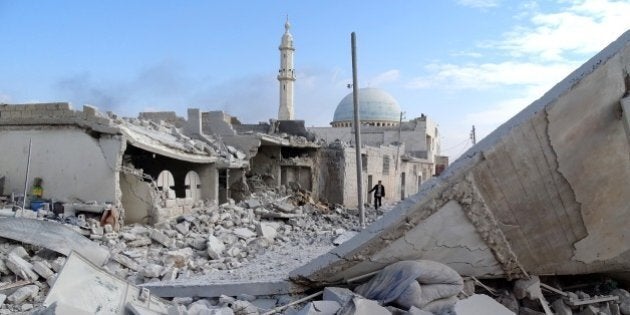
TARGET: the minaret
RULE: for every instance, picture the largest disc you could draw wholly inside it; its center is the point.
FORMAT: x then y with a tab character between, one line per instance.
286	74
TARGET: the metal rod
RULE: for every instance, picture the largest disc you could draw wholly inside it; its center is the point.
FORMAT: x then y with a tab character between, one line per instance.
28	165
357	130
304	299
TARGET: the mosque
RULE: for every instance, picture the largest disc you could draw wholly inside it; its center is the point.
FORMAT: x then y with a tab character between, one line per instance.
402	154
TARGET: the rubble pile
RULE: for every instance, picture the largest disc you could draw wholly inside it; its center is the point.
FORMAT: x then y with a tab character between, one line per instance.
226	237
26	273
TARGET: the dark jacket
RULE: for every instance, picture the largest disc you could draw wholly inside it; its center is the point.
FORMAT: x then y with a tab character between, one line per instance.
378	192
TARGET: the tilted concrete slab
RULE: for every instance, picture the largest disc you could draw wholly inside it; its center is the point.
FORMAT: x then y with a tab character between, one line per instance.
548	192
54	236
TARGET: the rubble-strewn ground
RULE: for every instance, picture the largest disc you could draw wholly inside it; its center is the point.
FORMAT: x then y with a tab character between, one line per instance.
261	238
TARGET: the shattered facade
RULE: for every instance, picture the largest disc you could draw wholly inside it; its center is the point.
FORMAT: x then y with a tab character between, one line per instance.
90	161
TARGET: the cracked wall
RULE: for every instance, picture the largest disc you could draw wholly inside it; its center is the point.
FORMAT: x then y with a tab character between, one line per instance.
74	164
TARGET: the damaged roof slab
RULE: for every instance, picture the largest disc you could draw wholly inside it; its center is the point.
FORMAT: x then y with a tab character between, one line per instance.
545	193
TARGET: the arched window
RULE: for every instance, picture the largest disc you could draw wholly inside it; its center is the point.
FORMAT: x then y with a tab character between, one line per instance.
193	185
166	182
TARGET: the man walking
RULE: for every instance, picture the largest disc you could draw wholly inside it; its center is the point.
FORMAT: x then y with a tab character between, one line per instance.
379	192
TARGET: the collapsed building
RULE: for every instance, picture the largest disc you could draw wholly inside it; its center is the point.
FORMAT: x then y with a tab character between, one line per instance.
89	161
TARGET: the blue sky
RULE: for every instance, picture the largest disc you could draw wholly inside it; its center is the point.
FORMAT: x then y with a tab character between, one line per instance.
461	62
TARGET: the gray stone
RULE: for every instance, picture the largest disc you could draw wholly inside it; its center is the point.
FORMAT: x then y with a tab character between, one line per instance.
252	203
21	267
58	263
264	305
152	270
19	251
214	247
24	293
244	308
529	288
358	306
244	233
320	308
143	241
41	269
560	308
126	261
2	299
266	231
161	238
26	307
178	258
339	295
183	227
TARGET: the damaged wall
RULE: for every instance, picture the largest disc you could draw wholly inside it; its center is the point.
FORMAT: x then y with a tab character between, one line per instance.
547	192
73	163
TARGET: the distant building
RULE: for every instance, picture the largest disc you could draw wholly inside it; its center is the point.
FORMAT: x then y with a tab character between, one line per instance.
286	75
402	154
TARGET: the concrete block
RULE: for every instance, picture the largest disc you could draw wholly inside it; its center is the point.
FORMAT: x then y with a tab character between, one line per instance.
57	264
252	203
339	295
21	267
23	293
126	261
529	288
20	252
358	306
152	270
161	238
321	308
244	233
243	308
215	247
266	230
42	269
480	304
2	299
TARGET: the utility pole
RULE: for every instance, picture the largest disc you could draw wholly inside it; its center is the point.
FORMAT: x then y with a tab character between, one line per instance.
357	130
473	135
398	150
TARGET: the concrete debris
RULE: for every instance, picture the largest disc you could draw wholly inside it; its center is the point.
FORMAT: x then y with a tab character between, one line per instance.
320	308
480	304
358	306
23	293
21	267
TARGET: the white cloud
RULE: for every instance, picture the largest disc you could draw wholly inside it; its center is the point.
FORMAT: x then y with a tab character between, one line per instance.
479	3
385	77
488	75
584	27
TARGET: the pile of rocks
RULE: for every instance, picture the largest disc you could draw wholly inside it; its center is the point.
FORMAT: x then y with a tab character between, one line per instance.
26	273
221	238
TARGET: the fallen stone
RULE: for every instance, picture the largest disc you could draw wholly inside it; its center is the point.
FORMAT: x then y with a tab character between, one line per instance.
480	304
24	293
183	227
143	241
264	305
152	270
178	258
161	238
321	308
266	231
244	233
252	203
41	269
19	251
339	295
214	247
244	308
26	307
21	267
3	268
358	306
2	299
126	261
529	288
57	264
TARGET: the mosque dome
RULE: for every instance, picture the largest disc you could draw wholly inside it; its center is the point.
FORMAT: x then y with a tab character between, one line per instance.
376	108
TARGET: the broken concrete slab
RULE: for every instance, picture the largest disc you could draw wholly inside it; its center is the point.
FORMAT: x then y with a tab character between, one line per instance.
94	290
339	295
54	236
480	304
21	267
41	269
200	288
527	205
23	293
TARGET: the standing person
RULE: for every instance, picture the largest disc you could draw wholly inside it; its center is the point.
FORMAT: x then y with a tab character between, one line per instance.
379	192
